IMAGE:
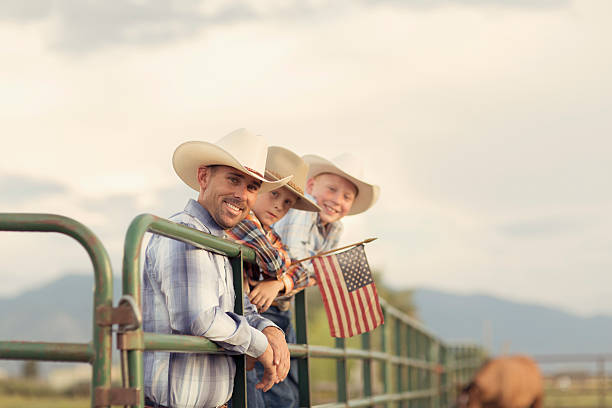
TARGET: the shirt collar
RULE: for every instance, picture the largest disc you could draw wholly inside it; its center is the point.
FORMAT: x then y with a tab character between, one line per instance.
253	218
200	213
323	229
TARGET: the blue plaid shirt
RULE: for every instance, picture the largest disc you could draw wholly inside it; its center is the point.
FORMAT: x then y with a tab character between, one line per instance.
304	236
187	290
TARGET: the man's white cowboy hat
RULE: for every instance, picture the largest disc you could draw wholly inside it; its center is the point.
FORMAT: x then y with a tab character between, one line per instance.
348	166
240	149
282	162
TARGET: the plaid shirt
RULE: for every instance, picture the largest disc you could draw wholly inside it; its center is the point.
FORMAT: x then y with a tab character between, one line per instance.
187	290
271	255
304	236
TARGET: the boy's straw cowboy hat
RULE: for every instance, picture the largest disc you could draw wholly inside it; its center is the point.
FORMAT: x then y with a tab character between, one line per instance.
348	166
240	149
282	162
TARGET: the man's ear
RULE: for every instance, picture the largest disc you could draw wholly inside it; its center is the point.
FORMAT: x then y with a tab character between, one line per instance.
309	185
204	174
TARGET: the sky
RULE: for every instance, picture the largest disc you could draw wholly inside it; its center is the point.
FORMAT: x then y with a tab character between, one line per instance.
486	123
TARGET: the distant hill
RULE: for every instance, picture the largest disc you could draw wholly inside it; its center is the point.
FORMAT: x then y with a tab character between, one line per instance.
521	327
58	311
62	311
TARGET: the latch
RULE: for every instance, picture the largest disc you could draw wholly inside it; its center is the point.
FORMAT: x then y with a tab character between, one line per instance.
128	318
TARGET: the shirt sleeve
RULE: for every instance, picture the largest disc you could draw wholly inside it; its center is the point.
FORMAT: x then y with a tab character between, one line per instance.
193	285
270	260
254	318
294	230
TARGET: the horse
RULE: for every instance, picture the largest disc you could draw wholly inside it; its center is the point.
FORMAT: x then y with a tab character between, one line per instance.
504	382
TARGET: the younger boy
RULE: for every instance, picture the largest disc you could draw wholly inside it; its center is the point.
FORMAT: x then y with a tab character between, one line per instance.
269	278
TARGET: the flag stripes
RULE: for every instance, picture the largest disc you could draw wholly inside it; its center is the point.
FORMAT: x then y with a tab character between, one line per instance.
349	312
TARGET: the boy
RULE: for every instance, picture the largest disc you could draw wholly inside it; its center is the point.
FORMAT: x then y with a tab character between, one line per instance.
269	278
338	188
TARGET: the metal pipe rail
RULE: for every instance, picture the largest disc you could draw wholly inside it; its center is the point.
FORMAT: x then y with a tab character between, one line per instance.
419	360
417	368
97	352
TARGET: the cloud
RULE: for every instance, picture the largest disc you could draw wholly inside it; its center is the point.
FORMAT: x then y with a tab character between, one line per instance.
18	188
542	227
91	25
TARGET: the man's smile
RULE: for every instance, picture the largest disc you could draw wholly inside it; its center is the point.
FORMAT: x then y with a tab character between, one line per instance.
233	208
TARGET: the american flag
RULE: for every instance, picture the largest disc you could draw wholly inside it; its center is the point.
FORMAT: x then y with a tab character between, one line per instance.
348	292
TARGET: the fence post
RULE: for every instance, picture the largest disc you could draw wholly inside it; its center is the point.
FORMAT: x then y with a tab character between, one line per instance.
341	373
410	370
398	352
367	366
434	374
385	364
239	394
301	335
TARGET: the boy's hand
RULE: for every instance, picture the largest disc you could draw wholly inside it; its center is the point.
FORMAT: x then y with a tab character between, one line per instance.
269	376
264	293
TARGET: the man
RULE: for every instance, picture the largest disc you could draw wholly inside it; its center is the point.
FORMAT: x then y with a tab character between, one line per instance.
338	188
190	291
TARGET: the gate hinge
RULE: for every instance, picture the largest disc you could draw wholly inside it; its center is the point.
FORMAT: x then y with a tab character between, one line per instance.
126	314
116	396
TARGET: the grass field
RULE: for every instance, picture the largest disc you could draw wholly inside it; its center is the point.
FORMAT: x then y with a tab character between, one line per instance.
578	393
18	401
583	393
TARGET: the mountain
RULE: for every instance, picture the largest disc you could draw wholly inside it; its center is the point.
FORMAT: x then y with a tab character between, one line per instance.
511	326
58	311
62	311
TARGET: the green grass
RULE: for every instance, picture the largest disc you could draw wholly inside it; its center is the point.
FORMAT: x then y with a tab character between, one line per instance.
19	401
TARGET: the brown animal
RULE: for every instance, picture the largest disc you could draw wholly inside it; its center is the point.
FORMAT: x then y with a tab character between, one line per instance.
504	382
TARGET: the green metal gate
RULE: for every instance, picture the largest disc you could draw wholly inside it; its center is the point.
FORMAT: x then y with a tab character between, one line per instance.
417	369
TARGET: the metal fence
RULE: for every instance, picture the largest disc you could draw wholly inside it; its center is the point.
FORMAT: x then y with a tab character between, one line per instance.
576	380
416	368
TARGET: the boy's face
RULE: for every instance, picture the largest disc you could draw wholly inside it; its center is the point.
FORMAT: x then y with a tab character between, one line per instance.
273	205
334	194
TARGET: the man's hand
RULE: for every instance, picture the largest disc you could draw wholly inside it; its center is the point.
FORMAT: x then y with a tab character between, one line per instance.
264	293
282	357
250	363
269	376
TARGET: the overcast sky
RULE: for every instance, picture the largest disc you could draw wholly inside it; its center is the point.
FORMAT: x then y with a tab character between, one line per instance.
487	125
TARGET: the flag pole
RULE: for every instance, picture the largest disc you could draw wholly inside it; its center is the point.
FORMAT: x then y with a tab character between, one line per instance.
365	241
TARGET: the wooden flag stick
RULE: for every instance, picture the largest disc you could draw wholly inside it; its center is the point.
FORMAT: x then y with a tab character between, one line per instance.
331	251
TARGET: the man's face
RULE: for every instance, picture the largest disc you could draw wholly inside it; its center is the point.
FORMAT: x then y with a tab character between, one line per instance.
274	205
334	194
227	194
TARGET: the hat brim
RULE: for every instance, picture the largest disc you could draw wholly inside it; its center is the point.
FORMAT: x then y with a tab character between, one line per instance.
367	194
302	203
190	156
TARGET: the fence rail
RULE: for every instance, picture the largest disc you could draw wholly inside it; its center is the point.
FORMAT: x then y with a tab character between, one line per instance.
417	368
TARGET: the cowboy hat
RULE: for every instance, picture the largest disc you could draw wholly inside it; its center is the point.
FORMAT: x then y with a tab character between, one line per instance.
348	166
239	149
282	162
